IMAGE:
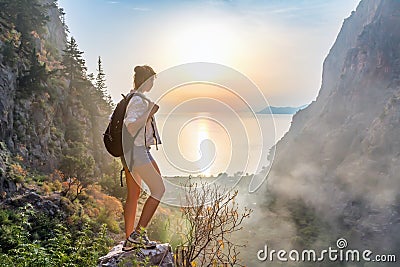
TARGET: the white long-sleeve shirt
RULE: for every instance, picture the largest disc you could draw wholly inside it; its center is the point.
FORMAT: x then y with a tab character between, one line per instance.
137	106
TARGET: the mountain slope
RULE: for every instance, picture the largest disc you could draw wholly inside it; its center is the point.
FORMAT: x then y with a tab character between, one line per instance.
40	120
341	156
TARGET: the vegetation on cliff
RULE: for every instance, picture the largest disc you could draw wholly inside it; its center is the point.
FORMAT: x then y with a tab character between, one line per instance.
60	196
54	210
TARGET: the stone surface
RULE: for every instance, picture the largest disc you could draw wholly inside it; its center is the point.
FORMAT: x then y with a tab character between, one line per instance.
47	205
7	185
159	256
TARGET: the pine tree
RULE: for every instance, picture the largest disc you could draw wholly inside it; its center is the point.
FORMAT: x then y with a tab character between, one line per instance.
36	76
100	84
62	18
73	63
100	79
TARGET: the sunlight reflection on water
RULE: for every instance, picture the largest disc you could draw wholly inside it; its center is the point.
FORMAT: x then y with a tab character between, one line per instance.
192	134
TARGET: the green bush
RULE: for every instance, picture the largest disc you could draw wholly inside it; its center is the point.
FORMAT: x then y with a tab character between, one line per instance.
12	232
309	226
159	226
105	218
30	238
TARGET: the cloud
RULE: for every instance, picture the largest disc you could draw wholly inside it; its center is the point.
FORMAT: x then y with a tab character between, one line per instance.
141	8
113	2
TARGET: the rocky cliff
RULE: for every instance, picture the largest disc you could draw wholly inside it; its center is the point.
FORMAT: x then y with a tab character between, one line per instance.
40	122
341	156
27	124
58	195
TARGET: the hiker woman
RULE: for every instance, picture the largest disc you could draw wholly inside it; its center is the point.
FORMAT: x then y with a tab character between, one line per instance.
138	163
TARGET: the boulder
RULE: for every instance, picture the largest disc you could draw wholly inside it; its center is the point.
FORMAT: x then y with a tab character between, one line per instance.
161	256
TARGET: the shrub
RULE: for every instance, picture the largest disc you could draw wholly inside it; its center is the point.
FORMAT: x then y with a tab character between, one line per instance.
30	238
211	215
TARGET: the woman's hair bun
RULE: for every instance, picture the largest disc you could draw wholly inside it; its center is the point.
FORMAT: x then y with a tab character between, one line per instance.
138	68
142	73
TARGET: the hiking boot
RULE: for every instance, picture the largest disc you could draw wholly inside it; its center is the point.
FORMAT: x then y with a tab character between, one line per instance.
128	246
140	239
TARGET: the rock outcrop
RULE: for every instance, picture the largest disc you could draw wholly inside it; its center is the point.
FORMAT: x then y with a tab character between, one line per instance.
29	125
159	256
47	205
341	156
55	30
7	185
40	122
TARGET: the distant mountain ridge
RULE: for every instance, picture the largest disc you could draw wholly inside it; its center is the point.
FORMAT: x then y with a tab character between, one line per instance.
281	110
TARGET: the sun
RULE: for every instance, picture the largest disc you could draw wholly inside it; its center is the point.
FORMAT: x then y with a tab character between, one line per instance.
204	40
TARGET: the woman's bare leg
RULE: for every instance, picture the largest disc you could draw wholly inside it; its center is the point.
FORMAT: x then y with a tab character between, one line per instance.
132	198
156	166
150	174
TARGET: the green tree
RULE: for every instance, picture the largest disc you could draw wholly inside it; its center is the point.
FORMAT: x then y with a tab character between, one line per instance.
78	167
100	84
62	18
35	76
100	78
74	64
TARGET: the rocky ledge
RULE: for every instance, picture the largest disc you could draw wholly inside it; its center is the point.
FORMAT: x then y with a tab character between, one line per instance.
160	256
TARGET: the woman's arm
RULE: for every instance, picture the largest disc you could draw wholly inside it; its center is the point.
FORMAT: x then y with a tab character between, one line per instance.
134	127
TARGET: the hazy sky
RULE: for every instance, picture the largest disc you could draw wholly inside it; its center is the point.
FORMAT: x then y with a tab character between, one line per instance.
278	44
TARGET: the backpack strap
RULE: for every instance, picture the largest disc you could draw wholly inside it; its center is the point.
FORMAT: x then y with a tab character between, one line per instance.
152	125
120	177
154	133
145	130
128	98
